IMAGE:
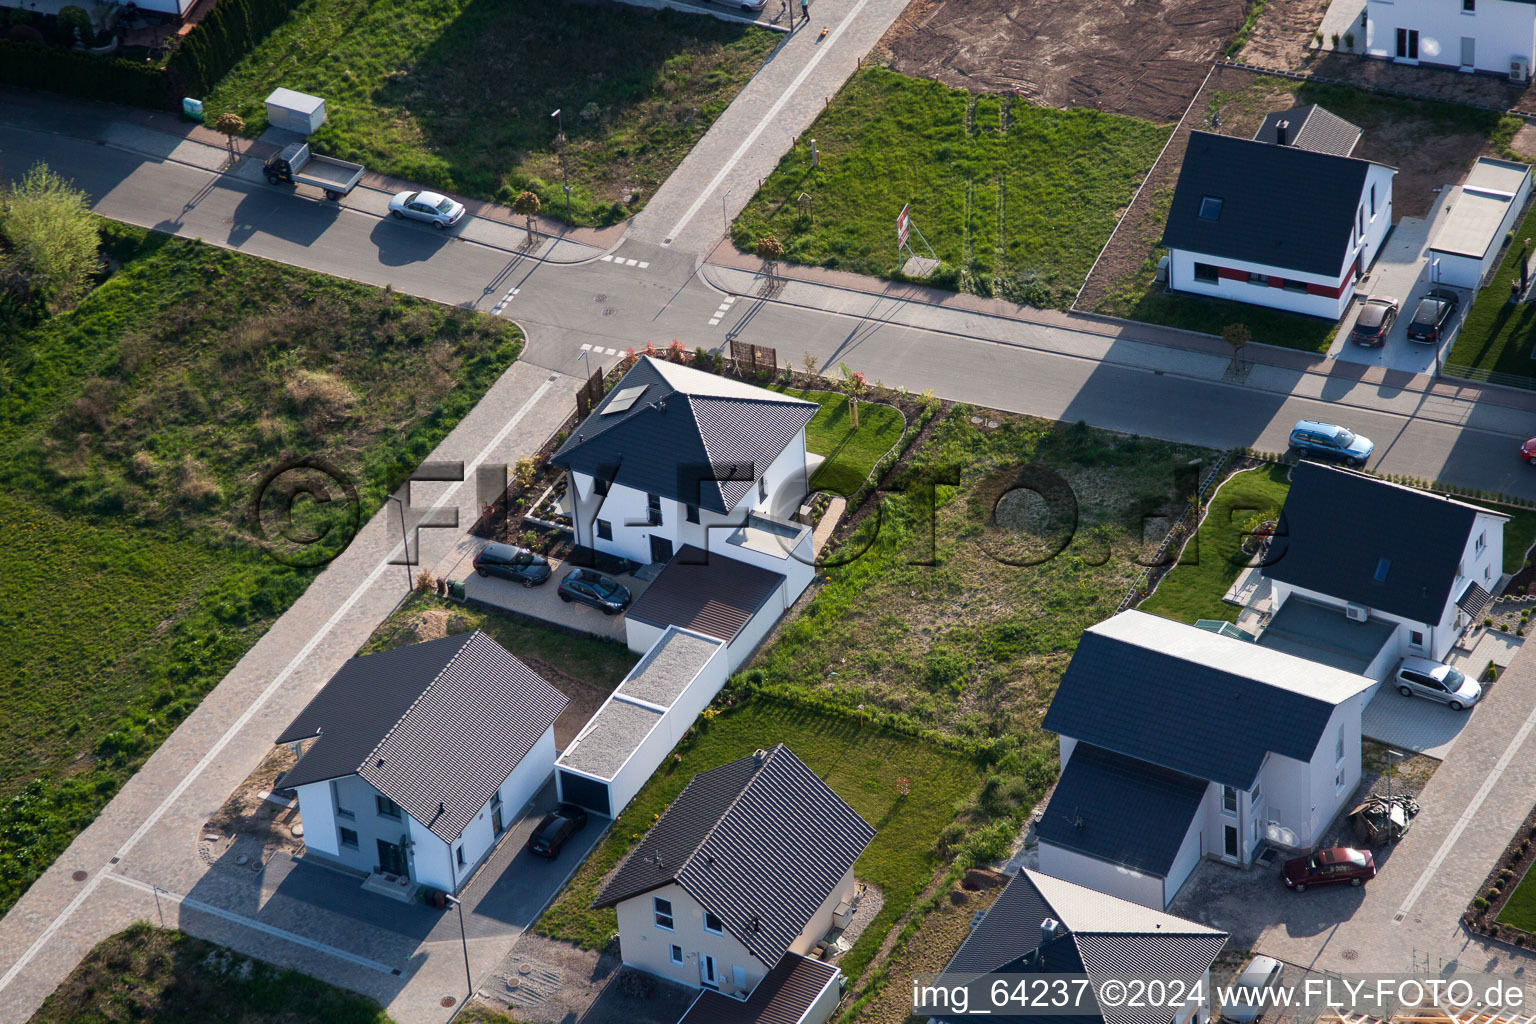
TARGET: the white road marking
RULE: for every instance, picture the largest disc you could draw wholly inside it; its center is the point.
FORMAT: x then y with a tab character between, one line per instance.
1466	818
715	321
728	300
503	303
606	257
214	752
644	264
587	347
253	924
763	122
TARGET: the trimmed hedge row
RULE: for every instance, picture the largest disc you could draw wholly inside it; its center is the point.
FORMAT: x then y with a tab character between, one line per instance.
231	30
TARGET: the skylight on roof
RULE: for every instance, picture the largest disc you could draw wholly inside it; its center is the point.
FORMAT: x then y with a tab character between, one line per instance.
1210	208
1382	568
625	398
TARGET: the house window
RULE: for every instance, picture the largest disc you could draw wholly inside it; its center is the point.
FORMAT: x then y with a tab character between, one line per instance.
1206	272
341	812
1469	6
1258	792
1338	781
458	855
387	807
349	838
1383	567
1210	208
712	924
677	955
1338	748
653	509
1360	219
1262	280
1415	638
604	529
762	489
663	910
1480	543
1487	574
1229	799
1294	286
1373	201
600	487
693	513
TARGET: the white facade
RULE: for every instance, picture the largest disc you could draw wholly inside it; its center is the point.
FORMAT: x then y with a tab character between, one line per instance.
352	804
630	522
1280	288
689	953
1470	35
1102	876
1482	562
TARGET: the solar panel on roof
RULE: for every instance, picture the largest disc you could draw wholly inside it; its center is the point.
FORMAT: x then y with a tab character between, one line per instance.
625	398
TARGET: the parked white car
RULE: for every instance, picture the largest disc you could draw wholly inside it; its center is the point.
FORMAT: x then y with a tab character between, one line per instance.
1420	677
438	210
1252	991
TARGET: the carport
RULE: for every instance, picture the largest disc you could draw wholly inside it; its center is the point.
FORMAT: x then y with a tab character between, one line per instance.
1481	212
714	595
626	741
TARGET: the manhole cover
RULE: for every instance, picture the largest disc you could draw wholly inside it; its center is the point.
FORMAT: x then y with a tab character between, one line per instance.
601	297
609	311
446	1001
78	876
513	984
524	969
1350	954
242	860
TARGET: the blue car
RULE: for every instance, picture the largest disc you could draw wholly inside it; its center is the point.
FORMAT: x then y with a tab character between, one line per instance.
1311	437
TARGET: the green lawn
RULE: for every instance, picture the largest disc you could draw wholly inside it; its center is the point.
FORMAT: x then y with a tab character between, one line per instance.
134	432
851	452
1519	535
168	977
1498	335
1140	298
1520	909
1023	212
586	658
457	94
863	765
1210	564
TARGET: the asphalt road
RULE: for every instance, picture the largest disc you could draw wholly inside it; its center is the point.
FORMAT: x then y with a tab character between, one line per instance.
1119	383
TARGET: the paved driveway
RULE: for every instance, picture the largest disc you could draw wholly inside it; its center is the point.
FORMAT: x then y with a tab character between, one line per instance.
542	602
1413	723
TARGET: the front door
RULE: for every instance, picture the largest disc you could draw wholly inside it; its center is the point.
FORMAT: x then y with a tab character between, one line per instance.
391	858
661	549
707	971
1407	44
1468	53
1229	840
496	824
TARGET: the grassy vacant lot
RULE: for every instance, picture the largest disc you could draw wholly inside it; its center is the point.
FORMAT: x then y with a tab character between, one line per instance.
1022	211
457	94
851	452
961	618
1211	562
1499	336
149	974
1431	144
134	432
863	765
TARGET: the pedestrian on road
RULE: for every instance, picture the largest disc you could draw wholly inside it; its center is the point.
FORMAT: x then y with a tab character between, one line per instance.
805	10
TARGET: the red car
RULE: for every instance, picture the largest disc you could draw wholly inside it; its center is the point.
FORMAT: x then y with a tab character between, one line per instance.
1528	450
1330	867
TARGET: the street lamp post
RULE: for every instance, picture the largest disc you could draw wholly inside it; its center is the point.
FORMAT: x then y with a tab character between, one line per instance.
564	177
468	979
404	543
1391	754
725	218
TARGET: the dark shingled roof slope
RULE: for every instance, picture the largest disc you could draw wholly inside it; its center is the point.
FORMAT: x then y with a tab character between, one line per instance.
1101	936
1311	127
1420	535
760	842
686	428
1280	206
705	592
782	997
1121	810
438	724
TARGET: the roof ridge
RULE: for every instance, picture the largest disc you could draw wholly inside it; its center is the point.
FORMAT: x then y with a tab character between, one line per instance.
418	698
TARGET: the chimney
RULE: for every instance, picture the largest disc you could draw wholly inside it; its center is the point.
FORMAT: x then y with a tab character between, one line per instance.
758	757
1282	129
1049	929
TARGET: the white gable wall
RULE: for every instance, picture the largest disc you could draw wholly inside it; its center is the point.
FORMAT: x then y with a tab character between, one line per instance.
1101	875
648	947
1503	30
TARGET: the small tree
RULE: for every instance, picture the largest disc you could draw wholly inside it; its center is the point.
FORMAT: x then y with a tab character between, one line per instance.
1237	336
769	248
527	204
810	364
50	238
231	125
76	25
854	384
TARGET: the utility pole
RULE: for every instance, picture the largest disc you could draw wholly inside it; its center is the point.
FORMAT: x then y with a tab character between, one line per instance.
725	218
564	177
468	978
405	544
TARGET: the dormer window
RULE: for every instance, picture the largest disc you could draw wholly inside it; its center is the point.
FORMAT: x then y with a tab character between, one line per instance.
1210	208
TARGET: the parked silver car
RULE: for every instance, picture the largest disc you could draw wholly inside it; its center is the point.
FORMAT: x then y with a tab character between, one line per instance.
1252	991
439	211
1420	677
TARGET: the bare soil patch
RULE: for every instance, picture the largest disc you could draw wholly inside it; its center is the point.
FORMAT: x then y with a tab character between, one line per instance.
263	828
545	981
1138	58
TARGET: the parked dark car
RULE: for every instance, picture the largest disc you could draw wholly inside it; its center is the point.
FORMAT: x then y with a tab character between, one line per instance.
1433	316
1338	866
600	591
512	563
1374	322
556	829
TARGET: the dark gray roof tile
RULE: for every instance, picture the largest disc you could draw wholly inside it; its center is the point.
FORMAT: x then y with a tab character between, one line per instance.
782	997
1311	127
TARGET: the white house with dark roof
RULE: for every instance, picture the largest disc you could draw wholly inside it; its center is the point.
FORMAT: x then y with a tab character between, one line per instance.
414	762
735	883
1046	925
1277	223
1424	570
1495	36
1178	744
